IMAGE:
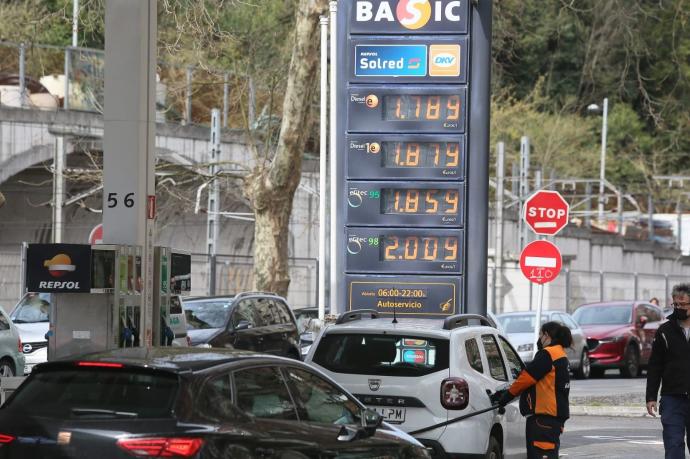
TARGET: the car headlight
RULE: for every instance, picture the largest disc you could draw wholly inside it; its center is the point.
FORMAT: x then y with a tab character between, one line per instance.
611	339
525	347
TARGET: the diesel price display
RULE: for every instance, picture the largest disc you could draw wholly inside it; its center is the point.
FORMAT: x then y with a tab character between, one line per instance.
421	107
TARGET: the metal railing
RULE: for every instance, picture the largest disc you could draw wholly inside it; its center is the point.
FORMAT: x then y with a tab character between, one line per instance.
509	290
183	93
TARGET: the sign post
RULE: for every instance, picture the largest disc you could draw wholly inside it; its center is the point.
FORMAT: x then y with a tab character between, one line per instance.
411	151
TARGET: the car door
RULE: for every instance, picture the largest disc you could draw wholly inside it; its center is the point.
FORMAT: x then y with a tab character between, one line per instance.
648	329
9	349
242	328
514	422
286	333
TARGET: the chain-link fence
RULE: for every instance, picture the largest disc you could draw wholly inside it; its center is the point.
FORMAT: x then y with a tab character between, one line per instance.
509	290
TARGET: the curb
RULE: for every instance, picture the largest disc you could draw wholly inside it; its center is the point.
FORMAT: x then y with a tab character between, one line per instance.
615	411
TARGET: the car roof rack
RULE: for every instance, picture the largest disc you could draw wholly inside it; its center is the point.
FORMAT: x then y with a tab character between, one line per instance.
357	314
242	294
463	320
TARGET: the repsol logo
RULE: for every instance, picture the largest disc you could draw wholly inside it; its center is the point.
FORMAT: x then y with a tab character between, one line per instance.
411	14
70	285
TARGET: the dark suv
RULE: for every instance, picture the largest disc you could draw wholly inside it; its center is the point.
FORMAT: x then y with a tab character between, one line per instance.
254	321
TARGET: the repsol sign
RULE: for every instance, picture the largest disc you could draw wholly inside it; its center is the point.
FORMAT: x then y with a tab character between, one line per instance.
409	16
58	268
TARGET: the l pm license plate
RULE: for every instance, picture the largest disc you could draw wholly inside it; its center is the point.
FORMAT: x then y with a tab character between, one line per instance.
391	414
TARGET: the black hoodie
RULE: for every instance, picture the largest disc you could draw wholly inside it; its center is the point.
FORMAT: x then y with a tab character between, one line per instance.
669	364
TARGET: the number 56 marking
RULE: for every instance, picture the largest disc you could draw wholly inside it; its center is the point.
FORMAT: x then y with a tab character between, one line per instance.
128	200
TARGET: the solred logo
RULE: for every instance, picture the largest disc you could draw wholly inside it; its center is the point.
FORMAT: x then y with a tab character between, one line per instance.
59	265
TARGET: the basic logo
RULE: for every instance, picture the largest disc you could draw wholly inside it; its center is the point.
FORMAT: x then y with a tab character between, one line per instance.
59	265
444	60
374	384
410	14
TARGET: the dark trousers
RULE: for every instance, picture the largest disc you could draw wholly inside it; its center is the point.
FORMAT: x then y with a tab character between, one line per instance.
543	435
675	418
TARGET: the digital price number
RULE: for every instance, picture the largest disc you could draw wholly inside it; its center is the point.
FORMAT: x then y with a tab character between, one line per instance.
421	107
415	154
419	248
420	201
404	250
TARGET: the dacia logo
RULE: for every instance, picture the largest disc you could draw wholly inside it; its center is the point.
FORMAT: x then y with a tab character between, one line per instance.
411	14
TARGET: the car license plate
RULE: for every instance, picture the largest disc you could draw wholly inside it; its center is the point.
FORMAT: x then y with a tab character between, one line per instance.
393	415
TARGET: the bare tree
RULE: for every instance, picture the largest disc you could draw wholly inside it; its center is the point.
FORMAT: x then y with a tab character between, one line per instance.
271	187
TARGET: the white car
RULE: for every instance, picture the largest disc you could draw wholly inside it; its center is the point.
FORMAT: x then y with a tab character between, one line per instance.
31	316
421	372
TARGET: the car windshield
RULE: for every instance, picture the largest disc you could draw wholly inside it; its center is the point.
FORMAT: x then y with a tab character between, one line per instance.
93	391
603	315
33	308
207	314
520	323
374	354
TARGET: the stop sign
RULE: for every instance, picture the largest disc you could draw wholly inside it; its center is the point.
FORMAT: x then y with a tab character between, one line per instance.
546	212
540	262
96	235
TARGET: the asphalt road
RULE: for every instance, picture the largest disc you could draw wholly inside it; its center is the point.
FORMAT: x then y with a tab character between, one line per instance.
610	385
611	438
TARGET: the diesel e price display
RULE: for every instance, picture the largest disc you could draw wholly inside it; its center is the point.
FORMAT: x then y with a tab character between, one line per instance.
406	108
414	156
405	203
400	250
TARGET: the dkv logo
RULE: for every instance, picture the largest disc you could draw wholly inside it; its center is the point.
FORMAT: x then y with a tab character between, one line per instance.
444	60
411	14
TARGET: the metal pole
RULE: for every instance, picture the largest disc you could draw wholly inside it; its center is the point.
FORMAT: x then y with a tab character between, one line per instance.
537	323
601	285
514	184
635	286
666	292
226	98
567	290
679	209
524	188
75	22
334	300
323	170
65	101
22	74
588	205
212	217
252	103
537	180
650	216
602	170
620	212
493	290
188	98
58	187
498	284
478	166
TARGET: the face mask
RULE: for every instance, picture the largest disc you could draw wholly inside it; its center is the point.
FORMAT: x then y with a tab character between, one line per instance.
681	314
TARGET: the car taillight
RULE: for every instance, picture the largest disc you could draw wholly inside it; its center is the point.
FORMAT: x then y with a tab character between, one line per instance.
5	439
161	447
455	394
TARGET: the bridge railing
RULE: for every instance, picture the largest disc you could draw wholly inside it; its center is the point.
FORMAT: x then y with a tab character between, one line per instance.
32	76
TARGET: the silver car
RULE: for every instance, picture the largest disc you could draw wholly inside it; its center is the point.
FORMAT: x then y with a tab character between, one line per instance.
11	356
519	328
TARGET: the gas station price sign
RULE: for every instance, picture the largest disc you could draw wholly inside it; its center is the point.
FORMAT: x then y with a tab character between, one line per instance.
402	142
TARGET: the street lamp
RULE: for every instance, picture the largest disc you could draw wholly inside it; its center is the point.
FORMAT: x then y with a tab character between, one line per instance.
602	171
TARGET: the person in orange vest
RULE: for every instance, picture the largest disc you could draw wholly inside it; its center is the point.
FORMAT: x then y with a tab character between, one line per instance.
544	387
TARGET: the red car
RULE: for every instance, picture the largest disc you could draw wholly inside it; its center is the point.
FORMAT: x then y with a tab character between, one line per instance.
619	334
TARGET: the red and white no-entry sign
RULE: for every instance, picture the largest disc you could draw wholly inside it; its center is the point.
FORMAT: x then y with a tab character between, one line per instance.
540	262
546	212
96	236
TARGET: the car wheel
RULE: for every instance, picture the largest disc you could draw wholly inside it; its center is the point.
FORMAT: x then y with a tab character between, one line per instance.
494	451
631	363
584	370
6	369
597	372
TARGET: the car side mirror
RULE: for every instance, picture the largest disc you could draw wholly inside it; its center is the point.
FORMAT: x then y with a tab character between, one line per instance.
371	420
243	325
641	322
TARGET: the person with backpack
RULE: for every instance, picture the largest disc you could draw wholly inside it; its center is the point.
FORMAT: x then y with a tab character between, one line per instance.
544	388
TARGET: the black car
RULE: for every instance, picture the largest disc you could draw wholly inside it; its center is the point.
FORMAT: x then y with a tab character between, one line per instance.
252	321
191	403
